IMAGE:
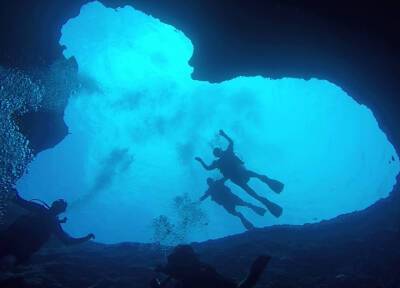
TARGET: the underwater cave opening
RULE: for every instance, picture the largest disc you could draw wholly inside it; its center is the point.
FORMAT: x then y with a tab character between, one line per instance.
127	167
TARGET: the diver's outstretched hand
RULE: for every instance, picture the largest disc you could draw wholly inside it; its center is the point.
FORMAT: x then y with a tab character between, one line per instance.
197	159
222	133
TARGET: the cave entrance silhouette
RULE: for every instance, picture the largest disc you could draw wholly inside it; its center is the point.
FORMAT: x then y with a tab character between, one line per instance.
127	167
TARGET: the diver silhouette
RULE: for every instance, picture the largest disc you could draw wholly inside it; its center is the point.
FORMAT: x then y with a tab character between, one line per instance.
234	169
222	195
30	232
186	271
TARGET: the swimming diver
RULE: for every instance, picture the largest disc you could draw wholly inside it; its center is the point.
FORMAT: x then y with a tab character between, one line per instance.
234	169
222	195
187	271
30	232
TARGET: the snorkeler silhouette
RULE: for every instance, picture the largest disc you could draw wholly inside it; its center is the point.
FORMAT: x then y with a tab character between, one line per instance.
187	271
234	169
222	195
30	232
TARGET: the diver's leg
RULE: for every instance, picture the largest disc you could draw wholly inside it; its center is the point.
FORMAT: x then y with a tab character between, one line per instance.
273	208
273	184
253	174
258	210
246	223
257	268
240	202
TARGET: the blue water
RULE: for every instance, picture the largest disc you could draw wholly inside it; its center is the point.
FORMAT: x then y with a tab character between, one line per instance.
133	139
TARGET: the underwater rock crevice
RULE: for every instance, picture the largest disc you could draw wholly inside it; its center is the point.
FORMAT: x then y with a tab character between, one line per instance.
44	129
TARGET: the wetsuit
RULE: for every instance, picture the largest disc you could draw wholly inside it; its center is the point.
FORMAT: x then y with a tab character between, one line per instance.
223	195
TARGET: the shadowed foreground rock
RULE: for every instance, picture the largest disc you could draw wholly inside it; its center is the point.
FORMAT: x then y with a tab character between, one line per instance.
355	250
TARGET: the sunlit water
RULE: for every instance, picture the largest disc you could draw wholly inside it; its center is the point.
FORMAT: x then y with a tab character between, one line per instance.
133	139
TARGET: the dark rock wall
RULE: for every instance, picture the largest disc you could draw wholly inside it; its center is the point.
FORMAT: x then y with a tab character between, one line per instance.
353	44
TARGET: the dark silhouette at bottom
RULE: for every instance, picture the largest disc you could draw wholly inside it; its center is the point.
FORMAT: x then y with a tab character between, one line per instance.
185	270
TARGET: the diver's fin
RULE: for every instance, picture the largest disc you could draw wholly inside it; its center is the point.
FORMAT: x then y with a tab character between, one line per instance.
257	268
259	210
273	208
274	185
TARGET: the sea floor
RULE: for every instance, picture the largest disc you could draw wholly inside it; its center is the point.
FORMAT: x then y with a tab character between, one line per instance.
355	250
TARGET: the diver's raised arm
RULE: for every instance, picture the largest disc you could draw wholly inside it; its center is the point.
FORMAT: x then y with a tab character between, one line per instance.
27	205
68	240
212	166
230	141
